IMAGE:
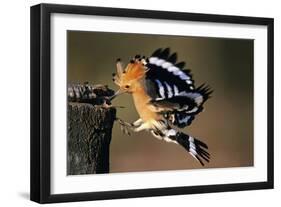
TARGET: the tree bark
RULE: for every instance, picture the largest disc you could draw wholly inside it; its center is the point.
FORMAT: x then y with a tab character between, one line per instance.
89	131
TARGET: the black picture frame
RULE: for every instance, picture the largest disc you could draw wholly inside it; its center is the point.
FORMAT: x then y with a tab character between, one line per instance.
40	102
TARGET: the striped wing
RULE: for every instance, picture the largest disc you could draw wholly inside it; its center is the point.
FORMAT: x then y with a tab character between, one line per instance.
172	89
168	76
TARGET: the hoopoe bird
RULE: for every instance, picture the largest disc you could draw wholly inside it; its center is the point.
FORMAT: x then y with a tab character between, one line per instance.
165	98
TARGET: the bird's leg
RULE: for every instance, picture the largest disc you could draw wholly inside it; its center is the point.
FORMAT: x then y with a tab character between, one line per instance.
125	126
135	124
141	127
138	122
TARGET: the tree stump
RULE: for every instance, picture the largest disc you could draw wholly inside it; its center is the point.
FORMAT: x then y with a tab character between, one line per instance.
89	126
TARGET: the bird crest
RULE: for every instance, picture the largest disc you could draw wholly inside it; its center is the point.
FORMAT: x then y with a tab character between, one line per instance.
134	71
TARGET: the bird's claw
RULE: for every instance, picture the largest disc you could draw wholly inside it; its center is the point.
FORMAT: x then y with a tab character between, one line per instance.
125	126
125	130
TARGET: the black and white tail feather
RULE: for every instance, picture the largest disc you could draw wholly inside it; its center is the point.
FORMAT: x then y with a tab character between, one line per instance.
174	95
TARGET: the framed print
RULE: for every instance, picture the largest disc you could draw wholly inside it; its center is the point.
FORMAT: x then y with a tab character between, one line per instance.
133	103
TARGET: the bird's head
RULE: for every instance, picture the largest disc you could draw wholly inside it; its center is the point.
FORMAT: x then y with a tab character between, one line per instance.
128	78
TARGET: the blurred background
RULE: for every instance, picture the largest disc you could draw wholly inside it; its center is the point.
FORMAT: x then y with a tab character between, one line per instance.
226	124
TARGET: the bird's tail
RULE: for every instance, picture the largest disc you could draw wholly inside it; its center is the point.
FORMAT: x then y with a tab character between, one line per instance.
195	147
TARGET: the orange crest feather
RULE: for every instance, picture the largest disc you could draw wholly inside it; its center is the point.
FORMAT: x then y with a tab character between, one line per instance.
134	71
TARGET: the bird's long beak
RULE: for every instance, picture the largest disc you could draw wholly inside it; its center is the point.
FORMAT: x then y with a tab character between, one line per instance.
117	93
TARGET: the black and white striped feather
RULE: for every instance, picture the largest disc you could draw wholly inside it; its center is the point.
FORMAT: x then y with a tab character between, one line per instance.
195	147
172	88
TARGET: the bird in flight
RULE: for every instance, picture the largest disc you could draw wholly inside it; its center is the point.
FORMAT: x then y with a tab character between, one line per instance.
165	98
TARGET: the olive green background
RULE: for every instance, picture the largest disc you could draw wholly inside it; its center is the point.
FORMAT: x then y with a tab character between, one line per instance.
226	124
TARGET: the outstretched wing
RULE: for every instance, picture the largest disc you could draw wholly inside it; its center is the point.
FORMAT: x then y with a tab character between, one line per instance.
172	89
167	75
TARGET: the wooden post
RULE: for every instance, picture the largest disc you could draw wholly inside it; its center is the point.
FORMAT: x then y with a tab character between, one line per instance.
89	128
